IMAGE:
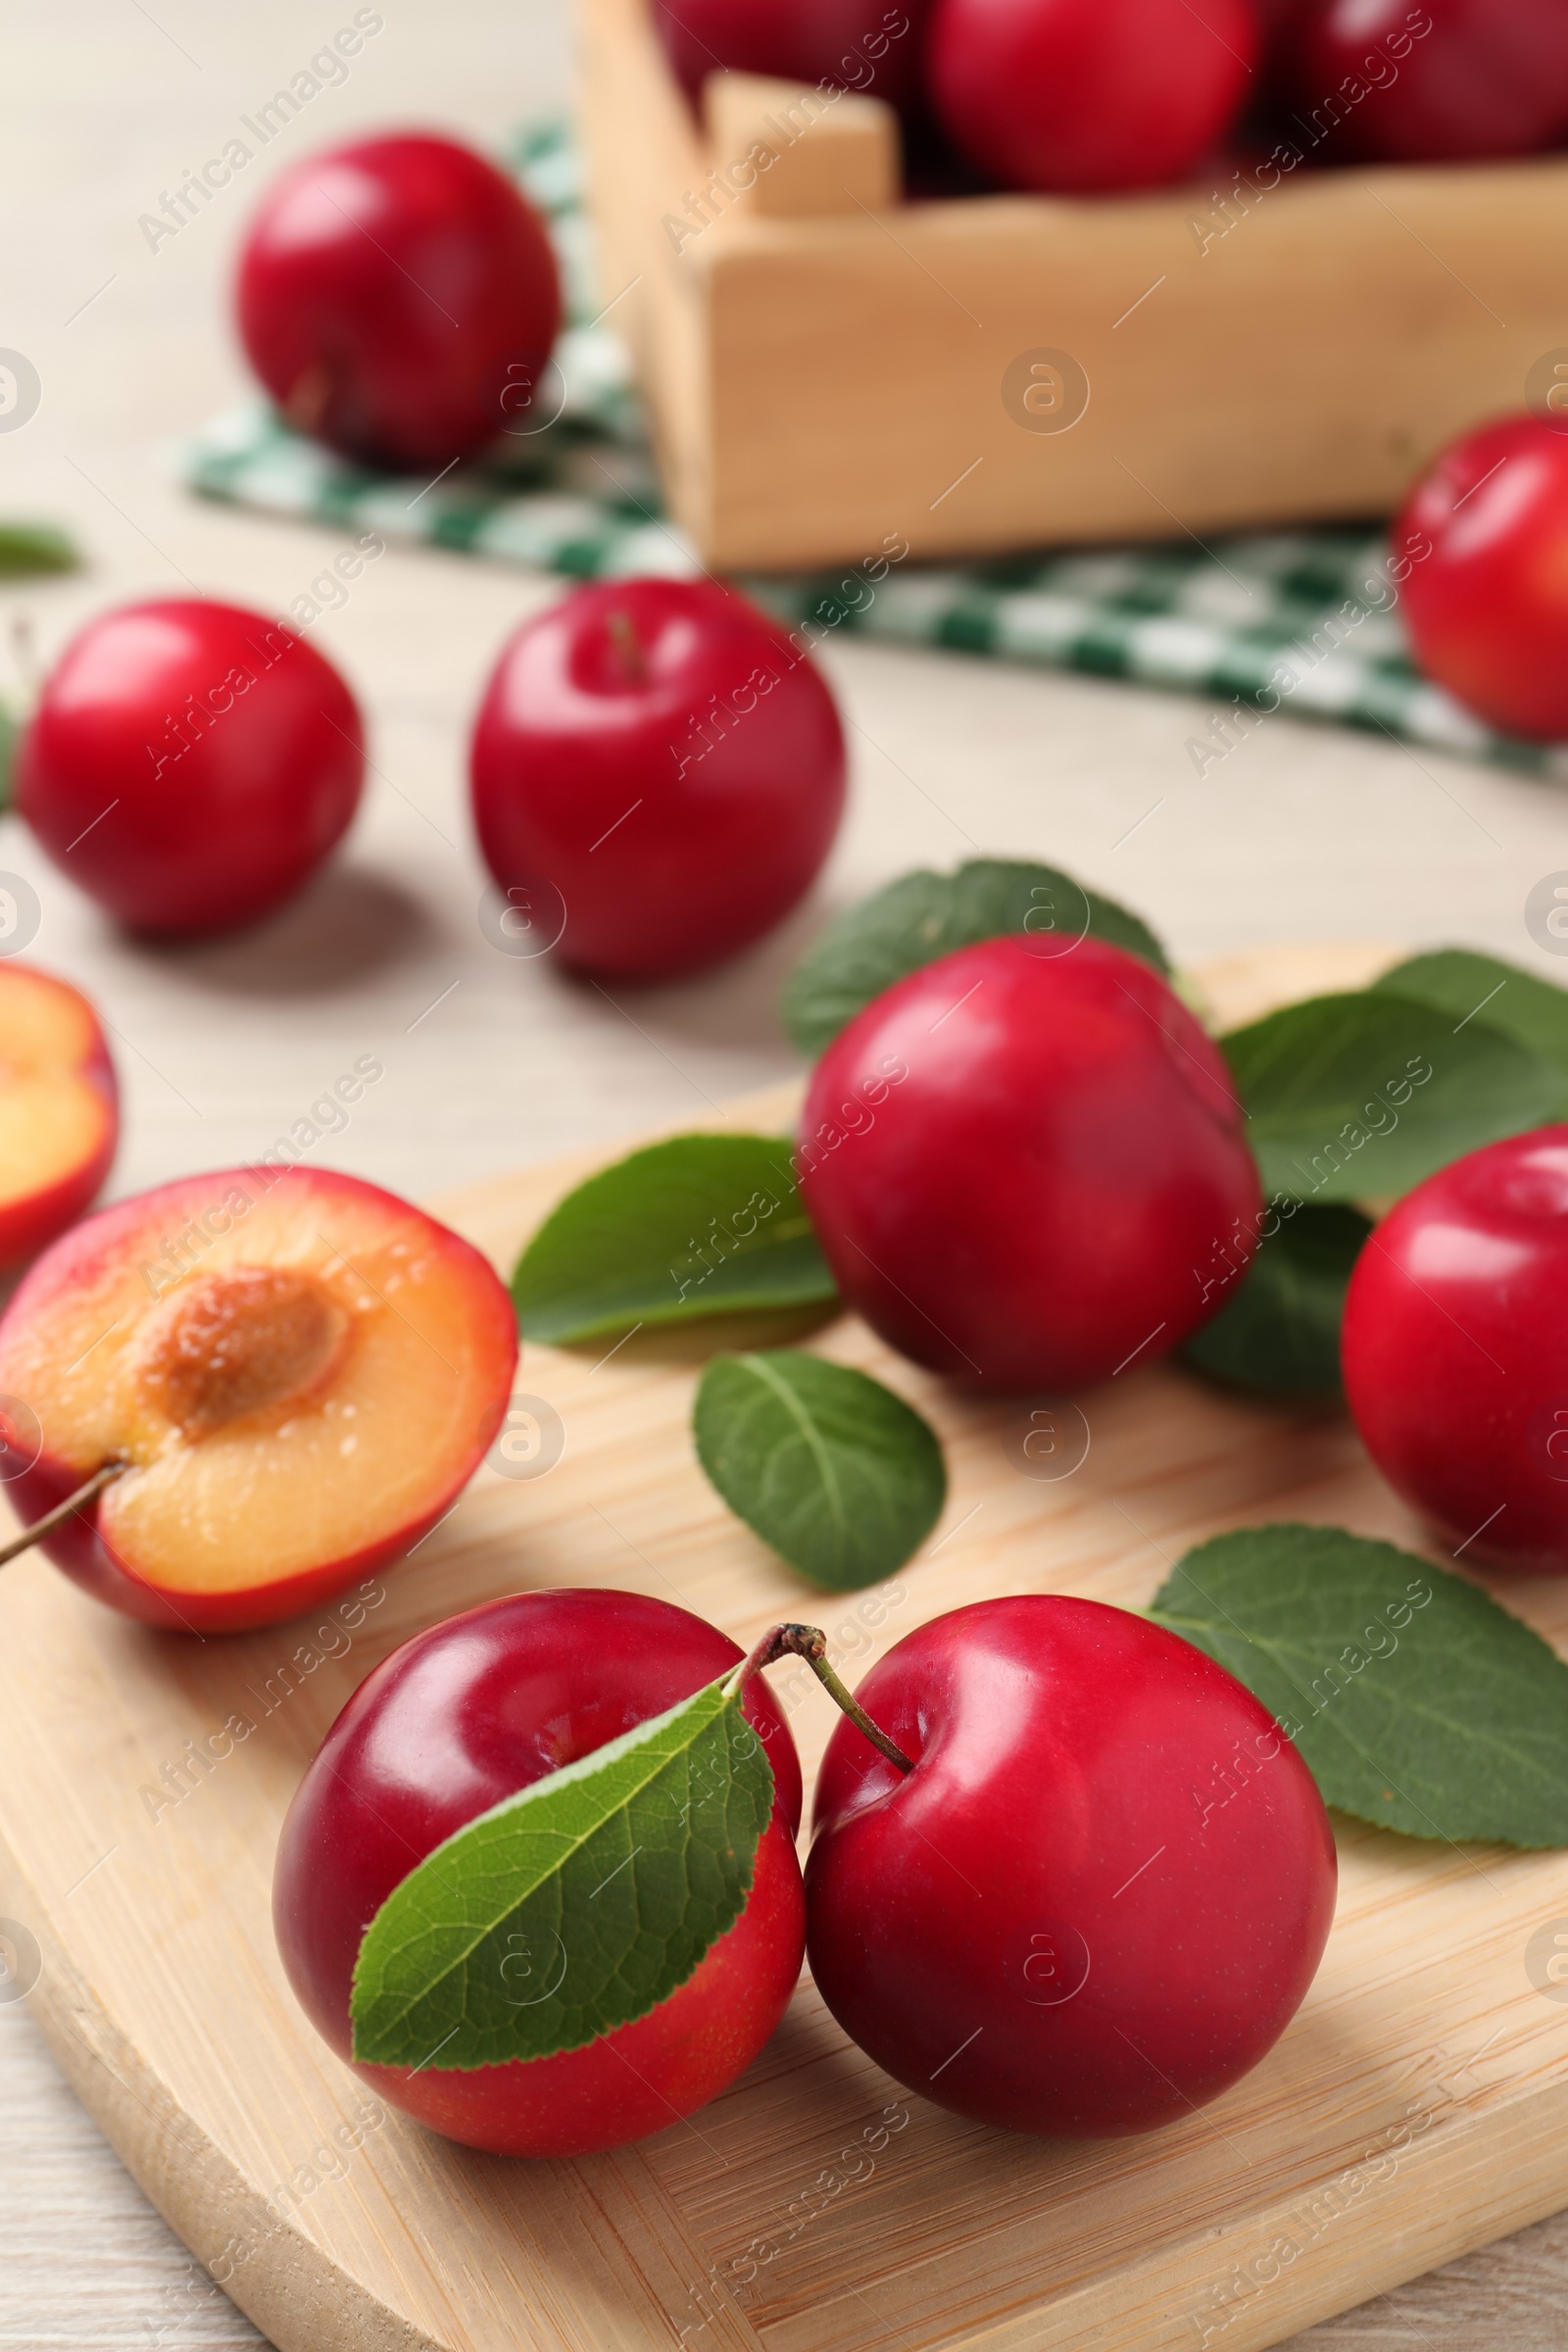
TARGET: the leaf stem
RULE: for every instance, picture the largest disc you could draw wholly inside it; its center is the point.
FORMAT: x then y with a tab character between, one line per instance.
808	1642
62	1511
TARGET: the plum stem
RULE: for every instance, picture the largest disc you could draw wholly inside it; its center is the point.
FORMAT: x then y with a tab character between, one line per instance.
62	1511
628	646
808	1642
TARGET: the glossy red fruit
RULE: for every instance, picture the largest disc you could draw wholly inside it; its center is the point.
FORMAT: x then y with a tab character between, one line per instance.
1390	82
864	45
1025	1163
451	1723
190	764
399	300
1101	1893
1454	1351
664	760
1487	608
1085	97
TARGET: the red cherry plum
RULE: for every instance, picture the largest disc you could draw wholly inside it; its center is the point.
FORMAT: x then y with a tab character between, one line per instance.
663	761
462	1717
1024	1164
1101	1893
1455	1352
1087	97
191	764
1487	597
398	298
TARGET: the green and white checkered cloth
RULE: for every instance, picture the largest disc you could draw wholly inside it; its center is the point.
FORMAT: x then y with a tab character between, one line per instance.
581	497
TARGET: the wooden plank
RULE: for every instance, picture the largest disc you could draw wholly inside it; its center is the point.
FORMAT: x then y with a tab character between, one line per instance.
644	161
1304	368
794	153
1417	2108
1292	355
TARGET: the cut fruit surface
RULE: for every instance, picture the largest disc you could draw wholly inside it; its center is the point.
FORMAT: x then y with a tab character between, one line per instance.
298	1370
59	1111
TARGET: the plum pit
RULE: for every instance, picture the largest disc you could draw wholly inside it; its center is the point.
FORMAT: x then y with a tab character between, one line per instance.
239	1341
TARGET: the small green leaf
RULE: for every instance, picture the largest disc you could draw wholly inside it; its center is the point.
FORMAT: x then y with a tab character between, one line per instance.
574	1906
1280	1327
925	915
34	547
700	1225
1360	1096
1481	988
839	1475
10	735
1419	1704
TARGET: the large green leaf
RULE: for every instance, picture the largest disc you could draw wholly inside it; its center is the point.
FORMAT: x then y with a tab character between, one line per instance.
1360	1096
700	1225
574	1906
1280	1327
839	1475
1470	988
925	915
1418	1702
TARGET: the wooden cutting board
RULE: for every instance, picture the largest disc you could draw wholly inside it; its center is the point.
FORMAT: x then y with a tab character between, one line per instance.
1417	2107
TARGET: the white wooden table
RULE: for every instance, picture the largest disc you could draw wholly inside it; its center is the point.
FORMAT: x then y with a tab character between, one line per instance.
490	1061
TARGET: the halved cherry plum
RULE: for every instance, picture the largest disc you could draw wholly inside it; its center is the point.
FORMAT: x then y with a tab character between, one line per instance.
300	1371
59	1110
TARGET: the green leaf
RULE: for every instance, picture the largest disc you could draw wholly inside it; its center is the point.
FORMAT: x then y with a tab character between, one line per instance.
34	547
702	1225
1481	988
1280	1328
1418	1702
839	1475
1360	1096
10	735
574	1906
925	915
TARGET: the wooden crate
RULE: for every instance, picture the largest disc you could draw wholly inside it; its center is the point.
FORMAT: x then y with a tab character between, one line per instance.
829	368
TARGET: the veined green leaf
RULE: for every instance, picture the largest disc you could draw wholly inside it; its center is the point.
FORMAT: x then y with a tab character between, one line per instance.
574	1906
1481	988
1418	1702
700	1225
1361	1096
839	1475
